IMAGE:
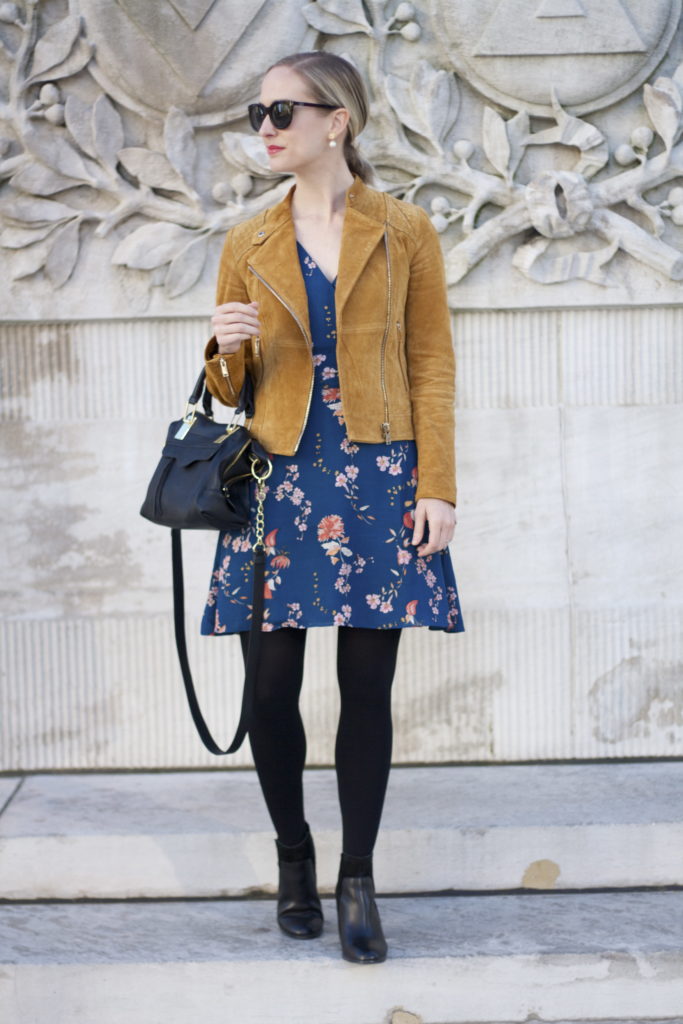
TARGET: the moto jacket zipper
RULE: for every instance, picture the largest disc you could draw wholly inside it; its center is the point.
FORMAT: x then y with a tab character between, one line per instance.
306	339
386	428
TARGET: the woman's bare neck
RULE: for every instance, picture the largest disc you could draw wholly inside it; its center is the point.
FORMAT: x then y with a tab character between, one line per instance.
322	202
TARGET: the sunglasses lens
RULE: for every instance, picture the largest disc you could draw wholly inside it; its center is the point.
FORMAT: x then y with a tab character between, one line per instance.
281	113
257	114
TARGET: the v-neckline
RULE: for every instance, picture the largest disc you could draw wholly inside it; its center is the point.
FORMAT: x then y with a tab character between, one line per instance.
316	265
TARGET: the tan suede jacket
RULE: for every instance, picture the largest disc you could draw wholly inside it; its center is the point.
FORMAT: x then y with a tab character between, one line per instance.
394	348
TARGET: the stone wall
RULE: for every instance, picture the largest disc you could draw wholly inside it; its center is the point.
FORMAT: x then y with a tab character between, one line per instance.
544	137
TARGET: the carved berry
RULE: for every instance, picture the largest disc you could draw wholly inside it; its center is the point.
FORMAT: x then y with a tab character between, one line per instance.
440	222
675	196
642	137
242	184
55	113
677	216
625	155
411	31
49	94
9	13
440	204
463	149
221	192
404	12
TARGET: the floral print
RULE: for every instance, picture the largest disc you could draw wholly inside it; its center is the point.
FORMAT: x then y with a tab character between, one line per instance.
339	517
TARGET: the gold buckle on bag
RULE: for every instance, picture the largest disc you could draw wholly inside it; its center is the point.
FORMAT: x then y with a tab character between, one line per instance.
188	421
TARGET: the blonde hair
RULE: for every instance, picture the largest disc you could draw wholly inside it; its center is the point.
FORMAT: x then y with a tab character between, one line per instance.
331	79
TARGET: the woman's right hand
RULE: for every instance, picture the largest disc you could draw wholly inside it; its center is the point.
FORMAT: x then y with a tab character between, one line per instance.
233	323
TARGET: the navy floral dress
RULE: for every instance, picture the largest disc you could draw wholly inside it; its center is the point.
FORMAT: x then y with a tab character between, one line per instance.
339	522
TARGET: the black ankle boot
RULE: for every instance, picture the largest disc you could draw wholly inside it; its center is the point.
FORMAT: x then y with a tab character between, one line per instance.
360	928
299	912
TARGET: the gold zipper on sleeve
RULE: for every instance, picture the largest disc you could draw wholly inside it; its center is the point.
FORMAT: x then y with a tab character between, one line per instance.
223	363
306	339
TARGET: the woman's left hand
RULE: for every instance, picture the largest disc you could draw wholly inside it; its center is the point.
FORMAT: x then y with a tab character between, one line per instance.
440	515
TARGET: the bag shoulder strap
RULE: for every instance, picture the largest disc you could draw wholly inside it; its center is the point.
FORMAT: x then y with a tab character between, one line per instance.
252	653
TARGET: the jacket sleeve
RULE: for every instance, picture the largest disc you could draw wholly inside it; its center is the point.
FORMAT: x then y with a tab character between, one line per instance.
225	374
431	366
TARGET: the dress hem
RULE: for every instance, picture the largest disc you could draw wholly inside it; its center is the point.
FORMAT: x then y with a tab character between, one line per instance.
349	625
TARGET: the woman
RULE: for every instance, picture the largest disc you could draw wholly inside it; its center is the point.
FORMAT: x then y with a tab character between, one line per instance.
334	300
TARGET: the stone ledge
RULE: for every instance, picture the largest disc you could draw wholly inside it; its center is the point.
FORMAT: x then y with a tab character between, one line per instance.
190	834
459	959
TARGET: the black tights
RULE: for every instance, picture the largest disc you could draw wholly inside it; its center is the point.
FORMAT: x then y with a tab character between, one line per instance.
366	660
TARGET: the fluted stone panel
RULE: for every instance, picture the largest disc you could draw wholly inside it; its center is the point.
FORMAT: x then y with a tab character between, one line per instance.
566	551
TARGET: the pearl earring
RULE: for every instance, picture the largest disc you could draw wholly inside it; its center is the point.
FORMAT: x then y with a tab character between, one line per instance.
333	142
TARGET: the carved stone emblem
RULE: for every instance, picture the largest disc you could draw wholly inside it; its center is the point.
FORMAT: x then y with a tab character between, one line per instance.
514	50
186	53
122	135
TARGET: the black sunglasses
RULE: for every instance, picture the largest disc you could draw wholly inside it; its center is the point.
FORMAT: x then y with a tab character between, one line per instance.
280	112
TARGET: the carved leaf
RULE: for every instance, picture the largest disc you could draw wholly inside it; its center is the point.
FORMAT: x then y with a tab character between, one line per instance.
151	168
55	152
180	145
55	46
19	238
517	129
78	117
423	103
247	153
337	17
495	141
107	130
438	97
398	94
669	86
151	246
63	254
186	267
38	180
664	112
75	62
29	261
24	211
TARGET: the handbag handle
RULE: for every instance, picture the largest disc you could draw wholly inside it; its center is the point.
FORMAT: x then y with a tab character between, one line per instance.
201	392
253	651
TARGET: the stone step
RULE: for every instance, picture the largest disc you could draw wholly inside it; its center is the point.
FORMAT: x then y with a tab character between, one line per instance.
207	834
481	958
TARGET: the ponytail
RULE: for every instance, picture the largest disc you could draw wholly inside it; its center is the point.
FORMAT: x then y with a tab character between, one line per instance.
356	163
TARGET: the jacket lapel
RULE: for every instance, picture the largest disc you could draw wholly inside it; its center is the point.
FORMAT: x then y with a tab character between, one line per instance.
360	238
276	259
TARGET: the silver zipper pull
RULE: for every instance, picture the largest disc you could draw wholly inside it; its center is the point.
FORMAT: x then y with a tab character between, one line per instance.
386	433
224	367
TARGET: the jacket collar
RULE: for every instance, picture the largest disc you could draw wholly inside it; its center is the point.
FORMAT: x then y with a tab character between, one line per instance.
274	253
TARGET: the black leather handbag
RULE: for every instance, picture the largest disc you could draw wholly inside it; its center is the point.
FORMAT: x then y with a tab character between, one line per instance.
203	482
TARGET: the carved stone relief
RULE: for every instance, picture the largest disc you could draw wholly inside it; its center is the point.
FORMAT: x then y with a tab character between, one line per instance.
593	51
123	149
